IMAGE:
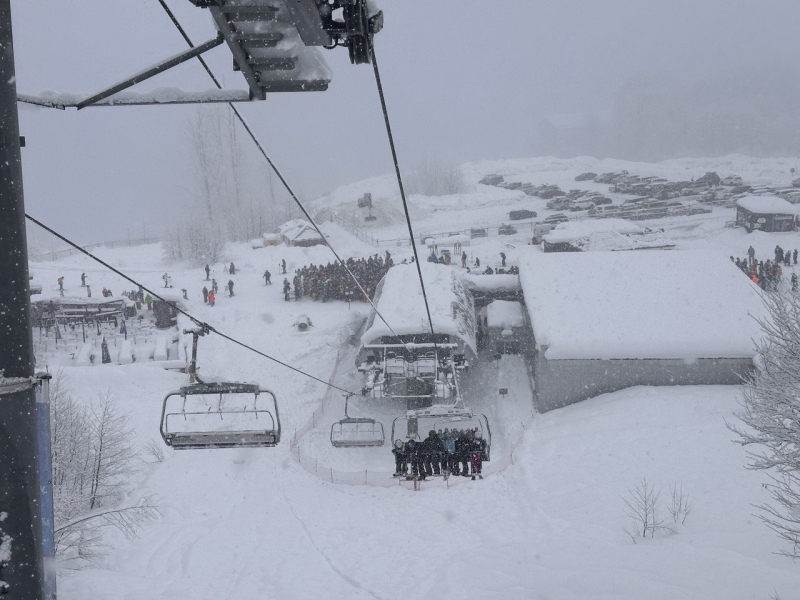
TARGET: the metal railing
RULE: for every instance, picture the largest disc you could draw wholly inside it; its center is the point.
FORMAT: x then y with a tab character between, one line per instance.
65	252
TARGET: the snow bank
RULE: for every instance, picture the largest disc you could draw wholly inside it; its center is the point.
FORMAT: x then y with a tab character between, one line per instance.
606	305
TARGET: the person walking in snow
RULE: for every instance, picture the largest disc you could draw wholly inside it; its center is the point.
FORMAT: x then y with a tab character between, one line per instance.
83	279
208	271
148	299
283	266
286	288
266	277
165	277
751	254
230	288
232	269
211	298
205	295
463	260
503	259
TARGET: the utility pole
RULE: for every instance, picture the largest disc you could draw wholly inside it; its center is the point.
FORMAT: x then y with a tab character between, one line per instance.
19	484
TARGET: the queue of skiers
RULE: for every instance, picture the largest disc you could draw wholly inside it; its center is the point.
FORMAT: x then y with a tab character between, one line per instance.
457	452
333	282
768	274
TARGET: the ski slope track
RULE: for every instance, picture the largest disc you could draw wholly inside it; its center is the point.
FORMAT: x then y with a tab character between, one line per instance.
247	524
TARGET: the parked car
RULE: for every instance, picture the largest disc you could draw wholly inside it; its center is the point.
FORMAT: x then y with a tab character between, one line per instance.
732	180
556	218
581	206
477	232
506	230
516	215
585	176
492	180
796	182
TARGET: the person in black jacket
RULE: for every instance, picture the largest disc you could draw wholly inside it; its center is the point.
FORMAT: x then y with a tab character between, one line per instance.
462	454
414	457
477	453
432	449
400	462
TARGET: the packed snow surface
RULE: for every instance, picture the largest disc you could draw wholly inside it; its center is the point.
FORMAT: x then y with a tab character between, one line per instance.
653	304
767	205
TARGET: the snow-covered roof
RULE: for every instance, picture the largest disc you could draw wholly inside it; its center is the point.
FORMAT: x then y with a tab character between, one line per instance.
767	205
608	305
504	314
483	282
573	230
400	301
611	240
298	229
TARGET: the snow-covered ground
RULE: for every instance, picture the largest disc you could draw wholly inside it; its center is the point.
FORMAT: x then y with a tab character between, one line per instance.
255	523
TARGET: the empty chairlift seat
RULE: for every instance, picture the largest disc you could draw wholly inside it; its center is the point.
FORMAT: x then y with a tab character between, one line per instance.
356	432
220	415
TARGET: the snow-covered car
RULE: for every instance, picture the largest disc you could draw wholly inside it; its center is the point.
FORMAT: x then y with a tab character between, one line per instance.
506	230
732	180
517	215
478	232
585	177
581	206
796	182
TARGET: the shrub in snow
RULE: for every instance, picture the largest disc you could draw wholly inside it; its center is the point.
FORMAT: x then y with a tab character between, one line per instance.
771	412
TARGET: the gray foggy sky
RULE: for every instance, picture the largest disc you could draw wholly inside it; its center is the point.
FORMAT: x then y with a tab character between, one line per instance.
464	80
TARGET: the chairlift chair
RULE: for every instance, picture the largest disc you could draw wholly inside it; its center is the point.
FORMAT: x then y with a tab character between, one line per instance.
416	424
356	432
220	425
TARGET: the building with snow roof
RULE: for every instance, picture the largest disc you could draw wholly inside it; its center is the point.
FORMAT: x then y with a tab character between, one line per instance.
299	232
766	213
604	321
399	299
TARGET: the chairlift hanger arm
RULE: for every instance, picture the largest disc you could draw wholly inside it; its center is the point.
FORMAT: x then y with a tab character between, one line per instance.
160	67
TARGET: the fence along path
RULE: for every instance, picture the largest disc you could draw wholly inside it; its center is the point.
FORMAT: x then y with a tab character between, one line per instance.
379	478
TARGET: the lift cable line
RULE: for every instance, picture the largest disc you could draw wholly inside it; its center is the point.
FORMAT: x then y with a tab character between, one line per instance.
400	183
283	181
195	320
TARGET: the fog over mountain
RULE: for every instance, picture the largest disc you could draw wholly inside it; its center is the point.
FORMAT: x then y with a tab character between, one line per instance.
464	81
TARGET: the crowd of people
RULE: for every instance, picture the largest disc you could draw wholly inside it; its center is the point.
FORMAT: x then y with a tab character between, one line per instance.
333	282
457	452
768	274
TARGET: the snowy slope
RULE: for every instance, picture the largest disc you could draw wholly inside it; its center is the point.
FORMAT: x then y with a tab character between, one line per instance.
244	524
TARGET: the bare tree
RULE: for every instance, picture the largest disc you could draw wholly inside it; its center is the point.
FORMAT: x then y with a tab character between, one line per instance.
771	412
435	177
641	505
679	506
93	459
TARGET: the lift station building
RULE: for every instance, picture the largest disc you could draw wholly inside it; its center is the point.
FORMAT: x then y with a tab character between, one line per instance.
604	321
